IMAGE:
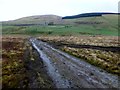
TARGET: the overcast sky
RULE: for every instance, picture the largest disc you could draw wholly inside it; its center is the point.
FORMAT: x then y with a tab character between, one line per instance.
13	9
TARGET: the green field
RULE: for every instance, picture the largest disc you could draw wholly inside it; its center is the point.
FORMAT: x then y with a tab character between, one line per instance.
58	30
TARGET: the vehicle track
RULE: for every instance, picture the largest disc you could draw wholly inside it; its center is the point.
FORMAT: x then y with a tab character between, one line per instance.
70	72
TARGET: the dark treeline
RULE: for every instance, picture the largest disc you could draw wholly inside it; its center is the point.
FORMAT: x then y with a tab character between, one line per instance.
20	24
87	15
26	24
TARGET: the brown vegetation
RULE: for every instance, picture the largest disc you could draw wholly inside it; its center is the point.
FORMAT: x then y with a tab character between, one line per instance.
13	70
76	45
21	65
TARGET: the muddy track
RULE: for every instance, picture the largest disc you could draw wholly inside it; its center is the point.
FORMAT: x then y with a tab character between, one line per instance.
67	71
36	73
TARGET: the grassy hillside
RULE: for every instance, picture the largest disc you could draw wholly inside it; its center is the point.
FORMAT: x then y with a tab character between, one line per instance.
99	25
38	19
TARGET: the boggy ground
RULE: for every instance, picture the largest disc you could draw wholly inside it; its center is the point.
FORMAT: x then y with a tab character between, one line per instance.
101	51
68	71
21	65
23	68
13	70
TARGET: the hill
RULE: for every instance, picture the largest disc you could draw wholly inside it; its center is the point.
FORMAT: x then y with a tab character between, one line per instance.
35	20
103	24
85	18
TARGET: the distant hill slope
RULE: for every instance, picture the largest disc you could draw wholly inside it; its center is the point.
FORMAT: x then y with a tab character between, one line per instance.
101	19
38	19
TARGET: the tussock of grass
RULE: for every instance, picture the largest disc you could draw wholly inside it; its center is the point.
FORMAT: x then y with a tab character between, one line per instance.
108	61
83	40
13	70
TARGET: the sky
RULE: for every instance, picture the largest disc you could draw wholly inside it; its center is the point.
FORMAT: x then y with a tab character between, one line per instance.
14	9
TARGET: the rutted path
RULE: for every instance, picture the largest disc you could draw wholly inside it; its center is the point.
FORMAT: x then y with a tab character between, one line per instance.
69	72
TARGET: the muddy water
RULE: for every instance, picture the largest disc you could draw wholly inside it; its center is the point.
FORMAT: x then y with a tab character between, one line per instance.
60	83
70	72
